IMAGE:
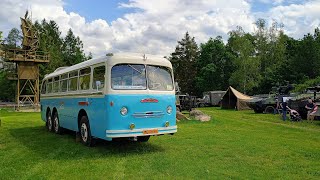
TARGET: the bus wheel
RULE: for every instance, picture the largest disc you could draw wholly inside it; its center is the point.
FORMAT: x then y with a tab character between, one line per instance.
56	124
49	122
85	132
143	138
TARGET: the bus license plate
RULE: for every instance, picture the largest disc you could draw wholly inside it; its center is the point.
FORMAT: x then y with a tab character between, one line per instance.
151	131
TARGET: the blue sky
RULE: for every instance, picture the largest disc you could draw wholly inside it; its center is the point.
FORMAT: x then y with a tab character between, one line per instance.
108	10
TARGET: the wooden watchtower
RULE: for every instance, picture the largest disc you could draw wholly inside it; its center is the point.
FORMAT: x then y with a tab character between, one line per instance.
27	60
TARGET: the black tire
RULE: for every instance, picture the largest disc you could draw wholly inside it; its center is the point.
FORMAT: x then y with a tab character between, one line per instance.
143	138
49	122
269	110
56	124
85	132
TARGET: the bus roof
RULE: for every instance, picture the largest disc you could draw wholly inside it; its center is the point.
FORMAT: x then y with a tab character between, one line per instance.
113	59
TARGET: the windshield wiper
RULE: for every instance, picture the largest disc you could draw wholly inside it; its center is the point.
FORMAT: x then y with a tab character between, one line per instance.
134	68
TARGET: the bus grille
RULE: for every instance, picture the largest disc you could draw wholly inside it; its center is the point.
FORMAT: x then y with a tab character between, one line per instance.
150	114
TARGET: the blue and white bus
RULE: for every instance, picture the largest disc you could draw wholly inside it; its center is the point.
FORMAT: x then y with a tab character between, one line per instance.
116	96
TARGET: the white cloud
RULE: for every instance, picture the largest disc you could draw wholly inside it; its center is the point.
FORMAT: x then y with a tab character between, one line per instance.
298	19
156	26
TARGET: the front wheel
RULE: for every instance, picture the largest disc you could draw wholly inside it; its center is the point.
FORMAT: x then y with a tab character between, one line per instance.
85	132
143	138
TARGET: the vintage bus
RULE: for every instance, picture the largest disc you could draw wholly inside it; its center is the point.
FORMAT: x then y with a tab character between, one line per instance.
120	95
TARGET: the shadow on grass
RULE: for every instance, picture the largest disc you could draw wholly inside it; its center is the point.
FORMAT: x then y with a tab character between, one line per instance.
64	146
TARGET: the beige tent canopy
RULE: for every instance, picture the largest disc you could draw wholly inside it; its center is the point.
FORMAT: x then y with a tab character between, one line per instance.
234	99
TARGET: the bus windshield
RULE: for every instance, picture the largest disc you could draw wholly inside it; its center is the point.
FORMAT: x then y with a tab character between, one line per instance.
159	78
133	76
126	76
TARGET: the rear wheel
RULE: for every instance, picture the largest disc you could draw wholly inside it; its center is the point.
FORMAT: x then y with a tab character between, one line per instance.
143	138
85	133
49	122
56	124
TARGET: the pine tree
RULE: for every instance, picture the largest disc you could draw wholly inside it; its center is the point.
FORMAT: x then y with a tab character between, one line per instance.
14	38
184	64
72	49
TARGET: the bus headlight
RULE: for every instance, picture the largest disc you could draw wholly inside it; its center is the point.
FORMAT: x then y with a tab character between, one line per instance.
169	109
123	111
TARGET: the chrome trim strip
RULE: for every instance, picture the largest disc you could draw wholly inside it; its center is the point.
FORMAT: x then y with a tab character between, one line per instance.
140	130
139	134
155	114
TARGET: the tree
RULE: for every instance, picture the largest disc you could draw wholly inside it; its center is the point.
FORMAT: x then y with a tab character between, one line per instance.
6	87
72	49
247	75
14	38
270	50
50	42
184	63
89	56
215	65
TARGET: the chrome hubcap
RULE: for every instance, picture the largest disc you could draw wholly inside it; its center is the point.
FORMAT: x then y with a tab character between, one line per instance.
56	124
84	132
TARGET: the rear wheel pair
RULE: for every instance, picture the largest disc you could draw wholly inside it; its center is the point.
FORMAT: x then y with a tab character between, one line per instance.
52	123
84	129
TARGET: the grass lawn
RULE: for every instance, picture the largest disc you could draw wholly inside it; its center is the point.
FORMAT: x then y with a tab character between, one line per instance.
235	144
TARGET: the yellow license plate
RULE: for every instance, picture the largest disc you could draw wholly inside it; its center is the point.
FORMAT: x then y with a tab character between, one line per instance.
151	131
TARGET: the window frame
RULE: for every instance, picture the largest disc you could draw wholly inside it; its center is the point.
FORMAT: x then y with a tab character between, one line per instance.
104	79
73	77
64	78
49	84
56	79
82	75
170	73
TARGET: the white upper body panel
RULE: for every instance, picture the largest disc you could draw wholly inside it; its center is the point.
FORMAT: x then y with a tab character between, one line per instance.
119	58
110	61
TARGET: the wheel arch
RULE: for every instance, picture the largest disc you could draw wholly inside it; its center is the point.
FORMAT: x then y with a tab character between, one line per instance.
81	113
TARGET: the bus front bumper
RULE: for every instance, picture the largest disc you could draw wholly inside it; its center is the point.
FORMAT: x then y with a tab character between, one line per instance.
141	132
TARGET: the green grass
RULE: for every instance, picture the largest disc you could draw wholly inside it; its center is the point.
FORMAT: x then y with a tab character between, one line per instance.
233	145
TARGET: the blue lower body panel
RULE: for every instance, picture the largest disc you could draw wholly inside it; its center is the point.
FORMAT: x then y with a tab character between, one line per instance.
105	120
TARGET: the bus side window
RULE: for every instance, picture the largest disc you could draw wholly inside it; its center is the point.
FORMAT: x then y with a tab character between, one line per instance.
84	79
43	88
49	86
56	86
98	78
64	82
73	81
